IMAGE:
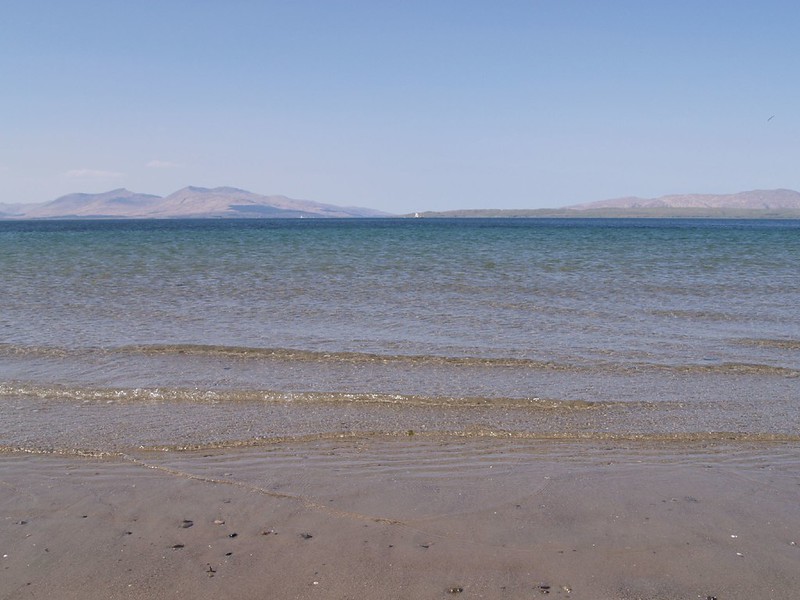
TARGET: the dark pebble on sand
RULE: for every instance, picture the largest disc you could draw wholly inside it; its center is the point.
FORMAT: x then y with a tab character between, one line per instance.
187	523
177	546
455	590
306	536
228	553
232	535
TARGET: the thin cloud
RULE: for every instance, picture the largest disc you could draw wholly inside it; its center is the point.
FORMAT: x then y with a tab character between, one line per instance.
92	174
162	164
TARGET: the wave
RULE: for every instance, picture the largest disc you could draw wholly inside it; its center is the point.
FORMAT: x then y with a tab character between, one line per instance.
318	356
11	350
703	438
281	354
701	315
207	396
290	354
727	368
785	344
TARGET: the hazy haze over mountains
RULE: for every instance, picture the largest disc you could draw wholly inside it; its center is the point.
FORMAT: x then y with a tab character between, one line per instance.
190	201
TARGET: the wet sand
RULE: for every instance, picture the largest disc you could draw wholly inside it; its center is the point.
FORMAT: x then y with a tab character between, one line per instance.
417	517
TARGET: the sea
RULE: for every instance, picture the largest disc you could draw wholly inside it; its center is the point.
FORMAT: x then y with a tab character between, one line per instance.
192	334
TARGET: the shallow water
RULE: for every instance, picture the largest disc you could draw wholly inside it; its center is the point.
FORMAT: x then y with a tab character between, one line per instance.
119	334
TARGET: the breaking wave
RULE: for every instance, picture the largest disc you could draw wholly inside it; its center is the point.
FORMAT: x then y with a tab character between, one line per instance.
161	395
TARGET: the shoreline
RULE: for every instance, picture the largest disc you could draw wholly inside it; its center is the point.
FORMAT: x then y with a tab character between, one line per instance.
424	516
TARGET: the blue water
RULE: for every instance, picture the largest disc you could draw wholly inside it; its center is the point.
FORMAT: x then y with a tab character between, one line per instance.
680	311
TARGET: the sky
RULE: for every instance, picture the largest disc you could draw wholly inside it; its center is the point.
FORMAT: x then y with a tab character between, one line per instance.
400	106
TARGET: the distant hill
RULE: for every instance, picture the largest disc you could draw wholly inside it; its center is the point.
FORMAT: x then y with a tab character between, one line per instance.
229	202
116	203
756	204
10	210
753	200
195	202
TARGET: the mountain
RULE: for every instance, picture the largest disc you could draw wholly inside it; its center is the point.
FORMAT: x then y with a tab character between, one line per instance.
116	203
11	210
754	200
195	202
233	202
756	204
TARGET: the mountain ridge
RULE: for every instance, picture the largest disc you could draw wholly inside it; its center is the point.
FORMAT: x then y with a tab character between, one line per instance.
232	202
777	199
187	202
754	204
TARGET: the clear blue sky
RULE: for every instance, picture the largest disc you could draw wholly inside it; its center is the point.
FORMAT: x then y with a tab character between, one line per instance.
400	105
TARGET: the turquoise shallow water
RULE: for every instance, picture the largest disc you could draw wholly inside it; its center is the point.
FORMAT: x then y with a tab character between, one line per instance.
696	320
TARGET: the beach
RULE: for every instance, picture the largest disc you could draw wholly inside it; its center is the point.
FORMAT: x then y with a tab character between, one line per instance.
399	300
427	517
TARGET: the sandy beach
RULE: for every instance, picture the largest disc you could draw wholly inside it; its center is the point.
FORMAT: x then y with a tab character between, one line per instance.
424	517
